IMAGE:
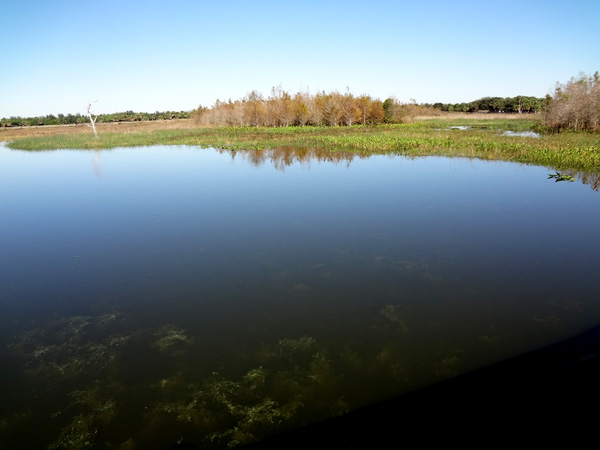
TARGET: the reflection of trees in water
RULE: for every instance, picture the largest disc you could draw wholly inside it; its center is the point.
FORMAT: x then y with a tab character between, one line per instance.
282	157
593	179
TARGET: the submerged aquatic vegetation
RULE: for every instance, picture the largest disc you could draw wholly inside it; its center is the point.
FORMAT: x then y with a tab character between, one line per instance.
260	402
392	314
65	347
149	399
80	434
296	382
170	337
289	348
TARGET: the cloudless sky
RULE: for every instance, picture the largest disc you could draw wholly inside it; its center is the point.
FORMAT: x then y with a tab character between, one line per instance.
57	56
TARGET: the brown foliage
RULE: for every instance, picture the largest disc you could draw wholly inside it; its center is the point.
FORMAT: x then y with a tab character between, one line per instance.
574	105
281	109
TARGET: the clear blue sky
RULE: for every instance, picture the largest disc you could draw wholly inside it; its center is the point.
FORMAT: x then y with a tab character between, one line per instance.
57	56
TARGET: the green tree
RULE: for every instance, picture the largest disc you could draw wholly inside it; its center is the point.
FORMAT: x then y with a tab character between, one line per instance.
388	110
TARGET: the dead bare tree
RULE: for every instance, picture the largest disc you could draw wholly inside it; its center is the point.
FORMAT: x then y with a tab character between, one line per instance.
92	119
575	104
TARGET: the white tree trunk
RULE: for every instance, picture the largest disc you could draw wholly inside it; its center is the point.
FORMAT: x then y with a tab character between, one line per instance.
92	119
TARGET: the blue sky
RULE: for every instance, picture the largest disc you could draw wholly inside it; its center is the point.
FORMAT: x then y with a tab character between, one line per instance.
57	56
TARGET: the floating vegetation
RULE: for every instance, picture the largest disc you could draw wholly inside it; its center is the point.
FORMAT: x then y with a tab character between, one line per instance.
560	177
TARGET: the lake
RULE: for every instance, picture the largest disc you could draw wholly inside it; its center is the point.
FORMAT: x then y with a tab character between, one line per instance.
151	295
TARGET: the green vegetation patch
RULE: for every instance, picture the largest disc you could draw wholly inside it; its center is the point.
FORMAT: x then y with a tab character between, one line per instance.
482	139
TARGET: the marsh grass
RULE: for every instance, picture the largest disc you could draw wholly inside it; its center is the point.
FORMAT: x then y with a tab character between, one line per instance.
12	133
482	139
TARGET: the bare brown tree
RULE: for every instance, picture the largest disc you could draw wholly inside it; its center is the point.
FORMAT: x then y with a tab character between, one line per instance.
575	104
280	109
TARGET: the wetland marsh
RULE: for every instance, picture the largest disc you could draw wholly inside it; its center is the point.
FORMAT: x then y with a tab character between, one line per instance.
151	295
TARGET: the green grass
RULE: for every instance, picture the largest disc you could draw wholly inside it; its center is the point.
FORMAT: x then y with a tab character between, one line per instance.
571	150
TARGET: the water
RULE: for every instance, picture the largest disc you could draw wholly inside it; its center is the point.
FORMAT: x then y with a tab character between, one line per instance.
531	134
521	133
149	295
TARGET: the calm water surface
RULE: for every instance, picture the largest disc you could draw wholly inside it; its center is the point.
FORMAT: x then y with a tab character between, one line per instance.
149	295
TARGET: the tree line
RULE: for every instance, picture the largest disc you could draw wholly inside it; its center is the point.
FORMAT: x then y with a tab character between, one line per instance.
281	109
73	119
574	104
518	104
303	108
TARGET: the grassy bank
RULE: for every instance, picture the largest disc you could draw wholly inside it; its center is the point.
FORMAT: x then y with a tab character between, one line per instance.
483	139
